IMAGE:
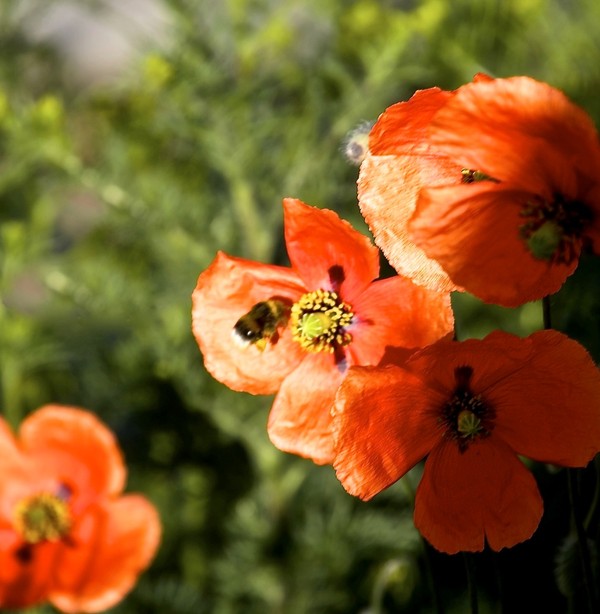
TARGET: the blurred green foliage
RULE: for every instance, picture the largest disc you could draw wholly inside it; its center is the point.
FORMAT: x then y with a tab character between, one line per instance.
115	196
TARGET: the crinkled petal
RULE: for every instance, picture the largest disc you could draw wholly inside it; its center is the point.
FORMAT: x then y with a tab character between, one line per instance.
388	188
520	131
549	408
394	312
473	232
384	423
300	419
482	494
494	358
225	292
402	128
326	251
76	448
113	544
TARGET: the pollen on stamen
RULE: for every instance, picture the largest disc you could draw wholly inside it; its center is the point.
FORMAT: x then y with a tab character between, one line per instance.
42	517
318	321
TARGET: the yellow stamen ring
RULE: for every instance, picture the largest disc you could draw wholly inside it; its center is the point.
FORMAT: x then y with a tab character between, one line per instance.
42	517
318	321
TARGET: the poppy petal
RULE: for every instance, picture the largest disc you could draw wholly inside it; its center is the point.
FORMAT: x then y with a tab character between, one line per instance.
113	544
550	405
75	447
300	419
388	188
473	232
24	584
326	251
394	312
485	123
384	423
225	292
482	494
402	128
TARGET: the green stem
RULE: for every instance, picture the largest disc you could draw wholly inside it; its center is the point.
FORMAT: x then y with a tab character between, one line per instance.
471	582
582	540
547	315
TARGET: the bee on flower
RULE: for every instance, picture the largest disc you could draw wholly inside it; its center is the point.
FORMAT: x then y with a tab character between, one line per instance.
298	329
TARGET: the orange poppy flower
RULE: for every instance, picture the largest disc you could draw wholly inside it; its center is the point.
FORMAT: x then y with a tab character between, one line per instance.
297	330
471	408
67	534
500	183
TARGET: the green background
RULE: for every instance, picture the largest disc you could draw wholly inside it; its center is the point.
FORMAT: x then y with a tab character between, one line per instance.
116	193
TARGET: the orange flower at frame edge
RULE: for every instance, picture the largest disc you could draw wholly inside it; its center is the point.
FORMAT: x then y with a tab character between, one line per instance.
67	534
499	186
471	408
326	313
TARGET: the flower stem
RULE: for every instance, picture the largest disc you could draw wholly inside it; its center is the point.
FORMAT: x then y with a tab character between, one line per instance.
546	313
582	540
471	582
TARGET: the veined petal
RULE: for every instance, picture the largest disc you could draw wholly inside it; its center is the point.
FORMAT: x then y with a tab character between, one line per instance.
473	232
300	419
402	128
482	494
549	408
76	449
225	292
520	131
114	543
388	189
326	251
384	423
394	312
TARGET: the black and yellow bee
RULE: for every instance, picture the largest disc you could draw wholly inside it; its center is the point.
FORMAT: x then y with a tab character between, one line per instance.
260	324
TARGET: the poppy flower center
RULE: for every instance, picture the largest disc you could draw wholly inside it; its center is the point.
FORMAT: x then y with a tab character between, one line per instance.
553	229
465	415
42	517
318	321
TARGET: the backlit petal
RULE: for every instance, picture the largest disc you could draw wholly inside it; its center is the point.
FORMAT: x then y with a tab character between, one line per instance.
394	312
473	232
483	494
384	423
76	448
402	128
326	251
114	543
300	419
388	188
225	292
549	408
521	131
